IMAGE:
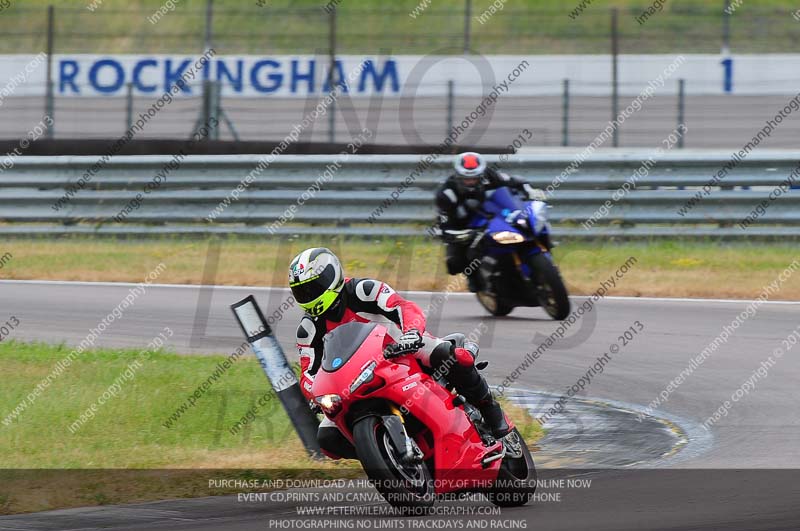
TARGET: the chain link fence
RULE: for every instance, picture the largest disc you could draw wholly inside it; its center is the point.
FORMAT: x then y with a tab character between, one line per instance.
350	27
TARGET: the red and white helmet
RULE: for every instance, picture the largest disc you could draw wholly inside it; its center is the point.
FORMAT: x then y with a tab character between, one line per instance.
469	168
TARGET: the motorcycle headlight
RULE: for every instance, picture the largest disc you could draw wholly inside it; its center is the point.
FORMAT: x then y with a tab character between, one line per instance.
507	236
365	376
330	404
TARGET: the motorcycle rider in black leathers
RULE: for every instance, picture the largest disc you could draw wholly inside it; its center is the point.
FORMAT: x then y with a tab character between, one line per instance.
460	196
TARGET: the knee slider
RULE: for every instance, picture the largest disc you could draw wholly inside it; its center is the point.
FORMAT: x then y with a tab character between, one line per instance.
441	353
463	357
455	358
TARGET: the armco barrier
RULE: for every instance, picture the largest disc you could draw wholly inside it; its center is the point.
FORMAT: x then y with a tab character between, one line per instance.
188	195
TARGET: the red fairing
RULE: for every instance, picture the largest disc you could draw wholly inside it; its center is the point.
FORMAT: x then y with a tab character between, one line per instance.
412	315
447	437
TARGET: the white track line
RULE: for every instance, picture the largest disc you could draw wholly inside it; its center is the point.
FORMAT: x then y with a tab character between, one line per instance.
410	292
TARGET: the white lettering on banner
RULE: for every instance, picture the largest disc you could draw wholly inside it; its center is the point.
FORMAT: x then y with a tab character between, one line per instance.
302	76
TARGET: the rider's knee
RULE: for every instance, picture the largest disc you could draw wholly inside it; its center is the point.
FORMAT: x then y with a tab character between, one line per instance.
440	354
454	265
448	356
456	260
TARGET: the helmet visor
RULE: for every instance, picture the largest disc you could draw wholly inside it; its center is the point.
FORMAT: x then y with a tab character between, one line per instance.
308	290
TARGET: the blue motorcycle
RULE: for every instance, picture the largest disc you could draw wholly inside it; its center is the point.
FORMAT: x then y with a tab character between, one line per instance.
512	237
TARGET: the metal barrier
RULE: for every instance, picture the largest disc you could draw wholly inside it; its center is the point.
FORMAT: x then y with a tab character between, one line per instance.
191	188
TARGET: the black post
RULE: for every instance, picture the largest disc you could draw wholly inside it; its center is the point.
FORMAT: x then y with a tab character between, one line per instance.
467	24
450	105
213	122
279	372
209	35
129	107
681	106
48	97
726	29
614	74
208	102
565	115
332	75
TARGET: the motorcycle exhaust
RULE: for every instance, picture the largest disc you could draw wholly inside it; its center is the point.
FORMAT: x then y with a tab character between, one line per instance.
486	461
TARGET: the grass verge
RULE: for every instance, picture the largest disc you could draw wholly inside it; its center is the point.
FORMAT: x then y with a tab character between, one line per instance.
126	453
664	268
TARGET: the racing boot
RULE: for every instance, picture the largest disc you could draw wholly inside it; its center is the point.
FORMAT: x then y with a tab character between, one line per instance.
480	396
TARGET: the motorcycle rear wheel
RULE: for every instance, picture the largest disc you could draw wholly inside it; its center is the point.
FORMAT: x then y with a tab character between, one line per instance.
402	485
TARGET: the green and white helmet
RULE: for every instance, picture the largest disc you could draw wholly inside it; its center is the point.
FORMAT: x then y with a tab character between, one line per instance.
316	279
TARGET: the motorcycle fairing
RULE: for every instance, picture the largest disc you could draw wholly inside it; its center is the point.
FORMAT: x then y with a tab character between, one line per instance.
342	342
458	448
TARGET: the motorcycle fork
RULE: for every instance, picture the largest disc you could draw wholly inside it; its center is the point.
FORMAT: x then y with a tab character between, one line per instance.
518	265
397	412
517	261
400	439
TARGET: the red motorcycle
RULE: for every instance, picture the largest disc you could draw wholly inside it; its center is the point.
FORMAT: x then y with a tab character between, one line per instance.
416	439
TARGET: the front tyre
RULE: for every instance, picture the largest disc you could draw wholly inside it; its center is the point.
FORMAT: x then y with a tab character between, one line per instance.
516	479
404	485
552	293
493	305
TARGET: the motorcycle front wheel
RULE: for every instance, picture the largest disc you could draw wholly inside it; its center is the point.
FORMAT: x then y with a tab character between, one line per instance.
550	286
403	485
493	305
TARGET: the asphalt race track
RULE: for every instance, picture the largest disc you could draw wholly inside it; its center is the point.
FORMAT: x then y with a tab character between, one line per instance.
713	482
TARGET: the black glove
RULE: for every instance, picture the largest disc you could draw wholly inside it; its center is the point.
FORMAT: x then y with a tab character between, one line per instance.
534	194
410	341
491	172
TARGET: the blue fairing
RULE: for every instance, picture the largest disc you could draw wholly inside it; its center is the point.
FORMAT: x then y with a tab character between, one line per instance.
499	204
502	201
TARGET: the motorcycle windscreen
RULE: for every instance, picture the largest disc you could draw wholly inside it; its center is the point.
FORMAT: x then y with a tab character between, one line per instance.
502	199
342	342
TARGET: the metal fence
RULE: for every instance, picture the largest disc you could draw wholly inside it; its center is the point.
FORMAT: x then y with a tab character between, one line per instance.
567	120
444	26
365	196
399	27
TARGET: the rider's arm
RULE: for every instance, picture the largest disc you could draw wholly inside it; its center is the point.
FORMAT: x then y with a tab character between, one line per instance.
309	345
374	296
498	178
447	207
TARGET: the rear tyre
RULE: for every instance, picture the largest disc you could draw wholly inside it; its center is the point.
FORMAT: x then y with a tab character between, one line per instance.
552	293
408	487
516	480
493	305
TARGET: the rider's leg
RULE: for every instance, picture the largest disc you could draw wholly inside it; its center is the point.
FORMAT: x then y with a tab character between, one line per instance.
333	443
457	255
458	364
